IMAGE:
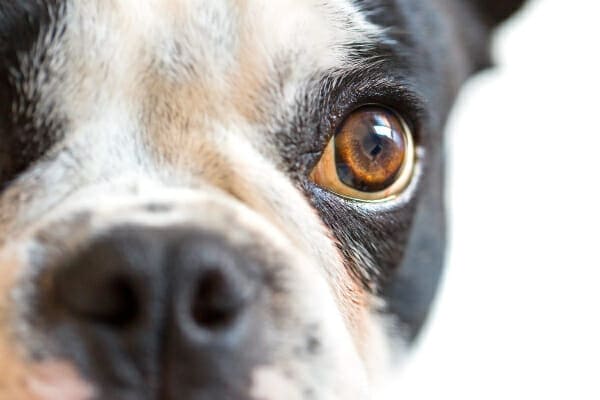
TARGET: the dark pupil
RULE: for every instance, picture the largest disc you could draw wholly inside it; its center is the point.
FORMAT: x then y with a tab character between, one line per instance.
369	150
373	144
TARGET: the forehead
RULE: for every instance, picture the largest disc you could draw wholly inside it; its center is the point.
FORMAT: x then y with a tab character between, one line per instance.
138	85
223	32
212	56
166	69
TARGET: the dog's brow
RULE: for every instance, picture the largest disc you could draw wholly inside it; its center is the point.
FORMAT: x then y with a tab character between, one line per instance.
382	72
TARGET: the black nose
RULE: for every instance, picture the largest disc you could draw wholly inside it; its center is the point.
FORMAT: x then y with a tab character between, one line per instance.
162	310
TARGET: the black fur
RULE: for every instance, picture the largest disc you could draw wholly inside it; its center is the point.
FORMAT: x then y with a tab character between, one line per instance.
431	49
494	12
22	139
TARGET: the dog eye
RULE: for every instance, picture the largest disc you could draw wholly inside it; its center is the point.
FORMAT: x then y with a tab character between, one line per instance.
370	158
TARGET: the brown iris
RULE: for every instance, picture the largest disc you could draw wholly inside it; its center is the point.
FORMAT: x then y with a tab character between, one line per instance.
370	158
370	149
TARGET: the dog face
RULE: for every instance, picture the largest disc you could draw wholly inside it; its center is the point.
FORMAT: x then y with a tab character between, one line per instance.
223	199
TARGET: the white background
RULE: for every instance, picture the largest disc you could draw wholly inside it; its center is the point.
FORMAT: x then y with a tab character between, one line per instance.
518	315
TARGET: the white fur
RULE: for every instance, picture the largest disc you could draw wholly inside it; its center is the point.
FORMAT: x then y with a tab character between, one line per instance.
169	101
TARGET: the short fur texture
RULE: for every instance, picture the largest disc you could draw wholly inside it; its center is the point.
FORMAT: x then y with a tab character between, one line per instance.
125	118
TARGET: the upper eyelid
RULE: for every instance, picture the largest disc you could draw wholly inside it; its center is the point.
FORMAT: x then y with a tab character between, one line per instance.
325	96
386	90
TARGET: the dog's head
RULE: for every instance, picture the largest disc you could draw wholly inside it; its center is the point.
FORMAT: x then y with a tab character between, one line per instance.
223	199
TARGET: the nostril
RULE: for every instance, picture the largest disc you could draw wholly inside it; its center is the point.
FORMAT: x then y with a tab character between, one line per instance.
118	306
215	302
111	301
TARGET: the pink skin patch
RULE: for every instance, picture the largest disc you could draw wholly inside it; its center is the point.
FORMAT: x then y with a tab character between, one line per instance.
57	380
20	380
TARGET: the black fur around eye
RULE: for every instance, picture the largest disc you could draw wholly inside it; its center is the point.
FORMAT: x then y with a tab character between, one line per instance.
370	158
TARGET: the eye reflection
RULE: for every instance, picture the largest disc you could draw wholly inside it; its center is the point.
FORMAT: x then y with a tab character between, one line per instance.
370	158
370	150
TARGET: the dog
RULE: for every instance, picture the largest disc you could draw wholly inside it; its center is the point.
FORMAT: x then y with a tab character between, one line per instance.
224	199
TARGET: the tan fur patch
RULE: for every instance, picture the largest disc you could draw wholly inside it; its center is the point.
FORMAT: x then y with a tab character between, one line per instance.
166	107
24	380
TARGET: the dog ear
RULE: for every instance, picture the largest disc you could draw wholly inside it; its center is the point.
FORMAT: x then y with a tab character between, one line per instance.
495	12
